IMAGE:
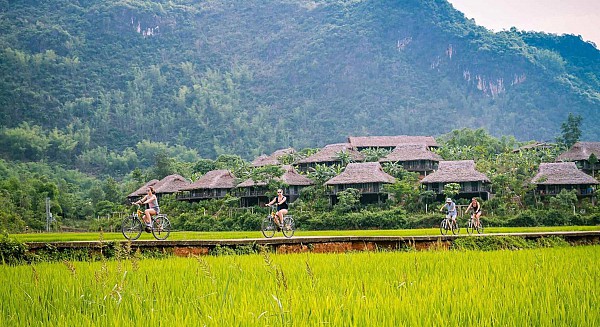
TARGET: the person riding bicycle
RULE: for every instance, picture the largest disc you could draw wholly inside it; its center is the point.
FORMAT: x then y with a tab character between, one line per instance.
151	200
450	207
282	207
476	207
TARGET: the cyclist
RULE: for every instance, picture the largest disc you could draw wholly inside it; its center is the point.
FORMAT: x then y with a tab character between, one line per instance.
450	207
475	206
151	200
282	207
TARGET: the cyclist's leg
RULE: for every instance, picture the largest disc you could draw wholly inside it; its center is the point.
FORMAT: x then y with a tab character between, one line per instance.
280	214
477	215
148	215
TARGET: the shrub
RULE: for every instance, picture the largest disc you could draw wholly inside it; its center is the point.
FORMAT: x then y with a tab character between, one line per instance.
12	251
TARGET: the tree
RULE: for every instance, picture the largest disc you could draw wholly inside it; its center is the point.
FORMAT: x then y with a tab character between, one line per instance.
451	190
348	200
593	160
571	131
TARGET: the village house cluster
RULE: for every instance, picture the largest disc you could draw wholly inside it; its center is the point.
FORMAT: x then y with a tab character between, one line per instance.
413	153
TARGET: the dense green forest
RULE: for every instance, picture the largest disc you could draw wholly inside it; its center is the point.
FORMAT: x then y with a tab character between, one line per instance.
249	77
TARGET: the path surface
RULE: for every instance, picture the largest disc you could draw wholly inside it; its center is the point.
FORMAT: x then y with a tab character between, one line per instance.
318	244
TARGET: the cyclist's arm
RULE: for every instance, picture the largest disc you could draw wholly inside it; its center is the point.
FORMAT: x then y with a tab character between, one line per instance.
147	199
140	201
442	208
271	203
469	207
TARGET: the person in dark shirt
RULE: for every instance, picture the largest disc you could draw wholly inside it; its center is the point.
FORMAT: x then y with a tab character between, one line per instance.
282	207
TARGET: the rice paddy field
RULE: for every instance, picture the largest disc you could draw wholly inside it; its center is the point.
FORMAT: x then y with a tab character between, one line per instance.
542	287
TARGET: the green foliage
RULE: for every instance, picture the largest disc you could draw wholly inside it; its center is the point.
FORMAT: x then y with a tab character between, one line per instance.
570	131
12	251
374	154
451	190
565	200
348	200
126	73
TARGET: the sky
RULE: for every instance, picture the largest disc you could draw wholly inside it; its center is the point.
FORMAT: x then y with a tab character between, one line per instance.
579	17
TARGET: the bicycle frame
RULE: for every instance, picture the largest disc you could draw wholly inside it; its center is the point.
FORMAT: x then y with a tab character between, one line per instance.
131	226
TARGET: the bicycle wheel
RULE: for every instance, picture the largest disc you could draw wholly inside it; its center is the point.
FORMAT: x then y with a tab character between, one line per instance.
267	227
444	227
470	227
480	227
161	227
455	228
131	227
289	227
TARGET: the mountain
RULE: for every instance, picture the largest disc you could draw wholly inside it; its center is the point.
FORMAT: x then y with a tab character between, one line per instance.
248	77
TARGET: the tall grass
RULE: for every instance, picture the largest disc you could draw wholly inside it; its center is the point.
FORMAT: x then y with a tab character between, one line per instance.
542	287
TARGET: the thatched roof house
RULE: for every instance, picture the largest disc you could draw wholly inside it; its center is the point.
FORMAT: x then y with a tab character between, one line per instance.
360	173
367	177
272	159
170	184
140	192
414	157
462	172
329	155
580	152
212	185
554	177
390	142
252	193
534	146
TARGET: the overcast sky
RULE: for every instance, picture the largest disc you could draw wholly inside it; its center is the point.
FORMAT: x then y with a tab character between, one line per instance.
579	17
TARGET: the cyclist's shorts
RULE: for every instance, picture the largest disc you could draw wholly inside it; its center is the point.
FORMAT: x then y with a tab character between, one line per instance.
451	215
157	209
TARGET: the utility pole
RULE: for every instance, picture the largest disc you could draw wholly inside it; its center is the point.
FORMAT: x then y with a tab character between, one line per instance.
48	215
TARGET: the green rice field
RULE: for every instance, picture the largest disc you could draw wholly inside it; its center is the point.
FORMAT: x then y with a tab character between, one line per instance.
49	237
542	287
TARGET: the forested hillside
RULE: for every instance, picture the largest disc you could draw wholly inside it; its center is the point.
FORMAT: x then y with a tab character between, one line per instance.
93	79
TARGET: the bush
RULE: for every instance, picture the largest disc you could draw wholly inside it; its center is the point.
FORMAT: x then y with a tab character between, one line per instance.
12	251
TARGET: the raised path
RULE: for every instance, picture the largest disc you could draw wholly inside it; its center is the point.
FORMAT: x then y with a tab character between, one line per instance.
317	244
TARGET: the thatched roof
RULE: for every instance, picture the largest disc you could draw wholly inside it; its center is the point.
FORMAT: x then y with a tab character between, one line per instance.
411	152
390	141
455	172
290	177
214	179
330	153
170	184
273	159
561	173
534	146
362	172
142	190
581	151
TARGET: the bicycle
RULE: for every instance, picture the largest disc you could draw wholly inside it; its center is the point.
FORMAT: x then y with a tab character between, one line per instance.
447	225
471	226
133	226
268	226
